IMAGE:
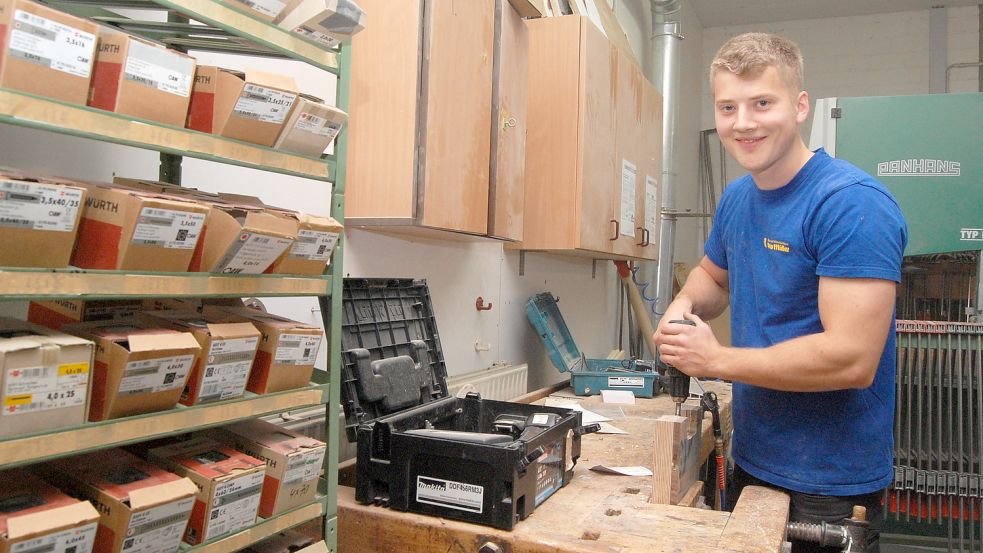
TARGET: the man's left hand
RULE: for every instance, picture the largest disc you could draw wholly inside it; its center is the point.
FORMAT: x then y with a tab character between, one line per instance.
691	349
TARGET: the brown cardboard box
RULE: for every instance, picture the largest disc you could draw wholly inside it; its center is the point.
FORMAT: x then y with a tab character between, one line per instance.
241	239
45	378
287	350
40	217
311	127
125	229
142	507
316	240
326	21
55	313
293	462
46	52
228	349
35	516
251	106
138	370
136	77
188	304
267	10
229	485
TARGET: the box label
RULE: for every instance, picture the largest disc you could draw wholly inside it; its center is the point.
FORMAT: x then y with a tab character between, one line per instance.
626	382
448	493
227	368
318	36
252	253
314	245
51	44
270	8
304	467
234	505
38	206
308	122
158	530
67	541
167	228
155	375
297	349
159	68
43	388
263	104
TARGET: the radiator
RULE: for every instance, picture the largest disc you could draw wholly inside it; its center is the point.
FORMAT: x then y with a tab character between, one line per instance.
500	383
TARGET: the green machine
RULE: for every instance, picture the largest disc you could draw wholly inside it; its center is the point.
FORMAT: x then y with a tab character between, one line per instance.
927	149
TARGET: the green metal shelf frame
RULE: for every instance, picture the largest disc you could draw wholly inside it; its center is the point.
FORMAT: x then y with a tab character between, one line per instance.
73	283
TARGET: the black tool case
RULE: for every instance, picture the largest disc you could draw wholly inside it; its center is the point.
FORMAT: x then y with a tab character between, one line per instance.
472	459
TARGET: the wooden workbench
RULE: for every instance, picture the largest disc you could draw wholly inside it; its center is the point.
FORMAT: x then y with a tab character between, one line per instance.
595	512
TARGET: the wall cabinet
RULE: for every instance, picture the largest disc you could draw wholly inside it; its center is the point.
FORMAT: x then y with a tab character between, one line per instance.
593	145
425	112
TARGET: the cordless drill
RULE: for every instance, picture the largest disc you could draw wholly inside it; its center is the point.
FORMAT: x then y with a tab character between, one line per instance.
678	380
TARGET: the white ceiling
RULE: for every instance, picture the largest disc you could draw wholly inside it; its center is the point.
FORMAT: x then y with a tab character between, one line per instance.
720	13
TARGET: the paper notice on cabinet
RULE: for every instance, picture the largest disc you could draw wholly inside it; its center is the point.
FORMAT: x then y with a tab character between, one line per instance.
651	205
628	177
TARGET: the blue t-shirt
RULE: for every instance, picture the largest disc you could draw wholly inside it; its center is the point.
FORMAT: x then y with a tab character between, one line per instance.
830	220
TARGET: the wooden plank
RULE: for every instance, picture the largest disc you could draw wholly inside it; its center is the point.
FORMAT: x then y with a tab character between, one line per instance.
691	496
382	112
529	8
536	395
263	530
40	283
509	117
458	94
551	166
758	522
670	433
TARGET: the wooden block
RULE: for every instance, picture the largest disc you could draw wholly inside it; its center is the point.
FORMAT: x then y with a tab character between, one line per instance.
757	523
529	8
670	432
691	496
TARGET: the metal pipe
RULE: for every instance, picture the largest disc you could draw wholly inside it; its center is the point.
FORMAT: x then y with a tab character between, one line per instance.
952	66
665	39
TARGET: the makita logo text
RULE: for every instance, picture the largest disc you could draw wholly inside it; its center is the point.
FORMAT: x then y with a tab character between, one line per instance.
433	485
918	167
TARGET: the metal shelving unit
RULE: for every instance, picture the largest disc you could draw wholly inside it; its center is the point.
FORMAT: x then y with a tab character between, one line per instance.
209	25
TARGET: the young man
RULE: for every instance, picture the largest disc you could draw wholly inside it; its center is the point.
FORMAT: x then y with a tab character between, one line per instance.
807	251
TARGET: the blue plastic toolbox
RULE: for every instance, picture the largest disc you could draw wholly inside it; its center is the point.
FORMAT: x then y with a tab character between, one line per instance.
587	376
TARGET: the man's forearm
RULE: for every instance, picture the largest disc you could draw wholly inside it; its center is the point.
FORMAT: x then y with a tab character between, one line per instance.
703	295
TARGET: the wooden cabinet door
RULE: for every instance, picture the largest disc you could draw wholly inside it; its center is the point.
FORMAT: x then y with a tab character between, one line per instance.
630	157
599	197
457	92
651	181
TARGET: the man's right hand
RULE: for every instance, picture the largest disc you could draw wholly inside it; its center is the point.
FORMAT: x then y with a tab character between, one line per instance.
677	311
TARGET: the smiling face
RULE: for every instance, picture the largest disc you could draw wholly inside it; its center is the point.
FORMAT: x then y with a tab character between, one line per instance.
758	118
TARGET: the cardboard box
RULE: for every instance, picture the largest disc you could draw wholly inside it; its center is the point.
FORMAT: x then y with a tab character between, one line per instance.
45	378
126	229
311	127
188	304
143	507
138	370
46	52
35	516
136	77
228	349
326	21
267	10
242	239
251	106
229	485
316	239
40	217
55	313
287	350
293	462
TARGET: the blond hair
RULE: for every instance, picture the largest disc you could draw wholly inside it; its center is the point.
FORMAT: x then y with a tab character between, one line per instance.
749	54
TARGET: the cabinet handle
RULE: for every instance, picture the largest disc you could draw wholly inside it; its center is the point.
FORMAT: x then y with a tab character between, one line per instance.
617	229
643	242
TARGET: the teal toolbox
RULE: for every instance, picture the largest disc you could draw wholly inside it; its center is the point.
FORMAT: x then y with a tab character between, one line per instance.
587	376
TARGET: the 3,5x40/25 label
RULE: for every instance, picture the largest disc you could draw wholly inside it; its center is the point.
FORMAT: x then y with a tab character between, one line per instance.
448	493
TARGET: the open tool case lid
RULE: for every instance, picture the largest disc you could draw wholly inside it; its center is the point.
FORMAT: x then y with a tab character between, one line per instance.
390	351
544	314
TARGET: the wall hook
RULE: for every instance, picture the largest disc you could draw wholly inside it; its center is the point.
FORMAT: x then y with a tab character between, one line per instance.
480	304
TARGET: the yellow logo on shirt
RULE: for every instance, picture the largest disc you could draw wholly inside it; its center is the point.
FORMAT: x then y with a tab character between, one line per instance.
776	245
